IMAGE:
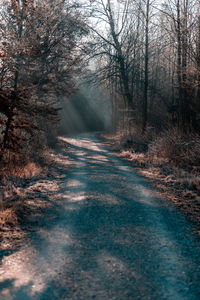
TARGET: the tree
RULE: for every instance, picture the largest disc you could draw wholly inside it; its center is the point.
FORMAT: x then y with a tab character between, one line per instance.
39	58
146	72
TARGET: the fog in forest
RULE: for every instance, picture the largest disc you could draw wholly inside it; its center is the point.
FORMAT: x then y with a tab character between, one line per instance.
87	109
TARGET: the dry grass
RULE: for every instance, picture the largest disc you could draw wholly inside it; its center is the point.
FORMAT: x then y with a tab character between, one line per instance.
8	217
12	209
172	163
13	203
30	170
177	155
191	182
176	148
16	201
182	154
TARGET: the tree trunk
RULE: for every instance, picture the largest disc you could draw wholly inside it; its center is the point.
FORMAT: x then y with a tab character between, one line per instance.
198	59
146	71
124	76
179	66
185	108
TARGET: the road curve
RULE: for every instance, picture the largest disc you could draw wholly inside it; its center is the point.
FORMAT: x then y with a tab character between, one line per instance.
108	237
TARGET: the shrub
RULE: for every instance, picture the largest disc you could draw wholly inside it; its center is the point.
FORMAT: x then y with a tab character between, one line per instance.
176	147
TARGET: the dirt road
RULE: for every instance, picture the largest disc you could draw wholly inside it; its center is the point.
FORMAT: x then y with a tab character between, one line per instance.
106	235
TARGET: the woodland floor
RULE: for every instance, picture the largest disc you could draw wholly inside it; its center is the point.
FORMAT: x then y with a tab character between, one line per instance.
97	229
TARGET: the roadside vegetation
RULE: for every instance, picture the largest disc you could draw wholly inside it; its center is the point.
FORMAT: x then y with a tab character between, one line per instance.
171	162
148	56
40	57
143	54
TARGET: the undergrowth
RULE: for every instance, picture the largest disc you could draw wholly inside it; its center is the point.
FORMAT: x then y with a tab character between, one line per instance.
16	169
175	153
179	149
171	161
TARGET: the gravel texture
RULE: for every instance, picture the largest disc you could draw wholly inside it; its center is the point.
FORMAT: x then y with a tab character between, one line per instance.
106	235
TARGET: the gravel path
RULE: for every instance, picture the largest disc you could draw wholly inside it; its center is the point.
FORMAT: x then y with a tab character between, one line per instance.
109	236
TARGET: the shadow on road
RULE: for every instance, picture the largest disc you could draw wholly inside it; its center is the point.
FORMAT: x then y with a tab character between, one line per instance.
105	234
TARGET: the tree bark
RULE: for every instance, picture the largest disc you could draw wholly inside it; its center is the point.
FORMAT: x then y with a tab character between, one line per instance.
146	71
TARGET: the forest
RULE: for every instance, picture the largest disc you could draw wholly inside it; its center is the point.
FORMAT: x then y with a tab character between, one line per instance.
144	55
81	76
